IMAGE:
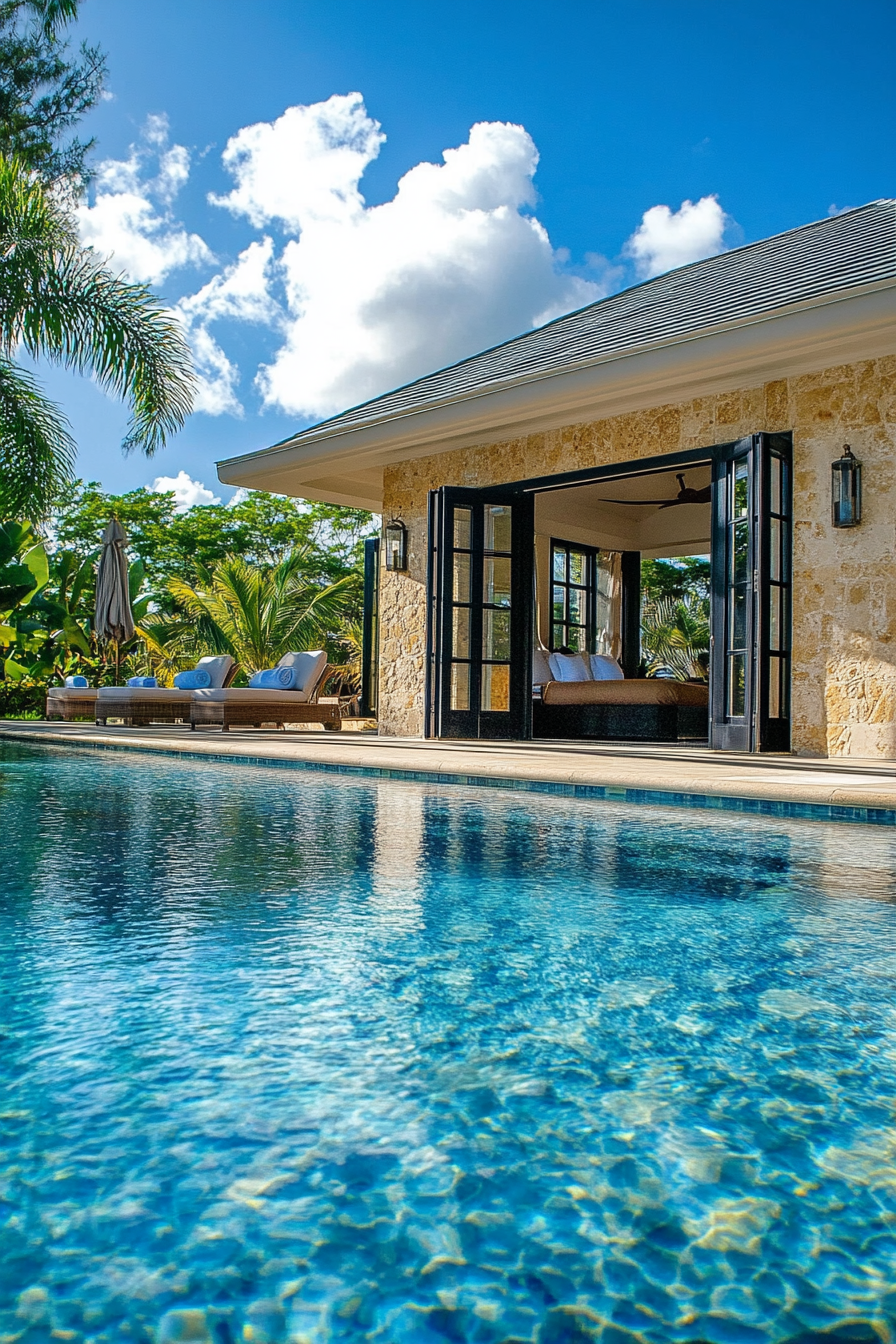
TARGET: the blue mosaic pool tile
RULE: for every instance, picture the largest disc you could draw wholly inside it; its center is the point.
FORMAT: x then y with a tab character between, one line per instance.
766	807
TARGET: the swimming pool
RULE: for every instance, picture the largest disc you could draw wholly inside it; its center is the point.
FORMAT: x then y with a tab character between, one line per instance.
328	1058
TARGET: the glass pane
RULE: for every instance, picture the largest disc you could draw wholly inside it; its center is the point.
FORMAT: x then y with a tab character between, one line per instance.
576	639
558	638
460	685
496	634
774	618
775	548
462	529
775	486
559	604
774	688
496	582
460	646
461	577
495	687
560	565
497	527
736	686
740	503
740	548
737	635
578	605
578	567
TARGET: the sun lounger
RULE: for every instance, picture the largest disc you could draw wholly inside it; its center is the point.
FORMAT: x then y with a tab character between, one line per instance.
140	705
253	707
71	702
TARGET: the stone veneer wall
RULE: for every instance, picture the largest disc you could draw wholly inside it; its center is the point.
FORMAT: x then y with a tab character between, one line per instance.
844	585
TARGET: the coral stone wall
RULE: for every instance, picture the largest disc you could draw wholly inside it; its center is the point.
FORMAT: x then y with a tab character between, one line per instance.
844	583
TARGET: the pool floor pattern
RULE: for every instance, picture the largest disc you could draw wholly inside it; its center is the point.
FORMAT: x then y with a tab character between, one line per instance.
294	1057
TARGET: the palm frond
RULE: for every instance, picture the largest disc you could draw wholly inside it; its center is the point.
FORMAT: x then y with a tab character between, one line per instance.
59	301
256	613
37	451
675	638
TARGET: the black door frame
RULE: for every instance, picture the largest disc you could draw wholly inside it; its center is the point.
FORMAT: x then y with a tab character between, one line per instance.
751	595
441	718
764	738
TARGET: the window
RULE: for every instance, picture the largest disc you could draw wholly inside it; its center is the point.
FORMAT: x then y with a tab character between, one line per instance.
573	604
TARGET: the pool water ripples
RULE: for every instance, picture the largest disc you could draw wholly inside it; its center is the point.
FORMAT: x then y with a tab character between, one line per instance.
289	1057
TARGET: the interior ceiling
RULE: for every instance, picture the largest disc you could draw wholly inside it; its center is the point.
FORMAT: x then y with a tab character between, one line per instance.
588	513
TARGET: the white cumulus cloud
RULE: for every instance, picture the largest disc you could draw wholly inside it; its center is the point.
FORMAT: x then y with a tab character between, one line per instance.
239	293
665	238
187	492
130	221
379	295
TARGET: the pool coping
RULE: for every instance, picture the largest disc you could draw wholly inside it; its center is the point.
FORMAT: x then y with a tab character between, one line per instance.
864	803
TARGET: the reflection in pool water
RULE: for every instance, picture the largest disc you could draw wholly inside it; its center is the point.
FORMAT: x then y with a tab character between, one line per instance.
317	1058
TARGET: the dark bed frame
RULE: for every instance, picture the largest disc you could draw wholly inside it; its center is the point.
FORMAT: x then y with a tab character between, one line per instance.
638	723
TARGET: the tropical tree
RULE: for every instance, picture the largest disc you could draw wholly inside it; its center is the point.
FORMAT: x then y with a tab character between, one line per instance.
675	638
255	613
24	570
46	610
259	527
43	92
58	301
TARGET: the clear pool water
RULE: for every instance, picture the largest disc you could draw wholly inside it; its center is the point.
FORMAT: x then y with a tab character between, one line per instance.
330	1059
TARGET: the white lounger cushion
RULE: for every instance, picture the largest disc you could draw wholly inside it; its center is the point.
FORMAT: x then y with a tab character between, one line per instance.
217	666
308	668
72	692
144	693
249	695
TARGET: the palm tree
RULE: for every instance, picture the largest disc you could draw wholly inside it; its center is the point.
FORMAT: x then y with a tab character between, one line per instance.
255	613
675	638
58	301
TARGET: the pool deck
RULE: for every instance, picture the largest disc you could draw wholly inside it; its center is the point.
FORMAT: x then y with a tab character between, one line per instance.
689	776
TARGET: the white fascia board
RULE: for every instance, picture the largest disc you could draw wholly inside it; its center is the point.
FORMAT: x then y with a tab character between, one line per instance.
837	329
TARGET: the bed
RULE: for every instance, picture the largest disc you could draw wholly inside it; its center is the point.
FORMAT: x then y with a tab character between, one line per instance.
641	709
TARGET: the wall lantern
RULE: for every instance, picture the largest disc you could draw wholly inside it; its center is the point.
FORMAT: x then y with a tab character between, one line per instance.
846	490
396	545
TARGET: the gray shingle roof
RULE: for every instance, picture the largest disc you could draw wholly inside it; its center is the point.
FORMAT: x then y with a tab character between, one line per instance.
841	253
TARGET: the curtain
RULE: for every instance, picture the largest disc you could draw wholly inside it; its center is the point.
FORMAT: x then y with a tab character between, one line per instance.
609	603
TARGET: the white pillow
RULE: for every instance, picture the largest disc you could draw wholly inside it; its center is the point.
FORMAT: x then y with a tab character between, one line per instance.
569	667
541	670
604	668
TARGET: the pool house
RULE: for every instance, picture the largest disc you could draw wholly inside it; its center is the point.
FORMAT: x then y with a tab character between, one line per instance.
741	408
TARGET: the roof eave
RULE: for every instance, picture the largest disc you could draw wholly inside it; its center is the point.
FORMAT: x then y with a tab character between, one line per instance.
847	325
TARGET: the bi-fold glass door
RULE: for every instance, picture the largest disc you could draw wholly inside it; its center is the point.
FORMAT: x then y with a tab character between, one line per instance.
751	595
481	604
480	612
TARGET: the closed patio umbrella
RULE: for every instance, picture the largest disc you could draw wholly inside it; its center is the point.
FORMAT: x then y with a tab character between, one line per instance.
114	620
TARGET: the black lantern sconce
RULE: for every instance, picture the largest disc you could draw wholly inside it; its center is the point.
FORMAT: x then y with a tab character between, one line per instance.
396	545
846	490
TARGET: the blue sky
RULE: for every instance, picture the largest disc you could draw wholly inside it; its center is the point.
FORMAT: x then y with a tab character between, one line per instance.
314	282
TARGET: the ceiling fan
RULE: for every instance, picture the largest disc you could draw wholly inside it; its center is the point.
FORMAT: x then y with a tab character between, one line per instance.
686	495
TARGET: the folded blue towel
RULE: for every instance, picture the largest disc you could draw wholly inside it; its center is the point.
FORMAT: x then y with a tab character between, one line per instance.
76	683
195	680
274	679
142	681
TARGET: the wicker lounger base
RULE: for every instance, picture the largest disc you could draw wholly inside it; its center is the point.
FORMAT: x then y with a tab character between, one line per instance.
138	713
633	723
226	714
71	707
